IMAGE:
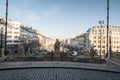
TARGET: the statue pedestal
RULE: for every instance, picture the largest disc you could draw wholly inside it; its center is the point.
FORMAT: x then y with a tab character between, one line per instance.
56	57
48	57
21	52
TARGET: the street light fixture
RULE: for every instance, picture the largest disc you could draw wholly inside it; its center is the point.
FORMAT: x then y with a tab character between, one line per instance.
101	22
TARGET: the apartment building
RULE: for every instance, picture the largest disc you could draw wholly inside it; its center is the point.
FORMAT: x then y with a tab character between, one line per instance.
18	34
22	34
96	37
46	42
28	37
13	33
79	41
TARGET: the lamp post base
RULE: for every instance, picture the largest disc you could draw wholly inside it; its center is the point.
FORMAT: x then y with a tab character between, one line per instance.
2	56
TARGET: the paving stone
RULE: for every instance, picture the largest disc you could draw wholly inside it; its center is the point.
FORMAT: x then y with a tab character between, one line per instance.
57	74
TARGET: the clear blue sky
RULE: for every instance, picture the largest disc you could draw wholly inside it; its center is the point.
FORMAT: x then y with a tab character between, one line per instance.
61	18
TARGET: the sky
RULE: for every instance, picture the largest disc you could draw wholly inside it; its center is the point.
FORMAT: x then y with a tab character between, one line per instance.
61	18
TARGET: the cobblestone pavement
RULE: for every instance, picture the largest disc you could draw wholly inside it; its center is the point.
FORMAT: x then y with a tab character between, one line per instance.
57	74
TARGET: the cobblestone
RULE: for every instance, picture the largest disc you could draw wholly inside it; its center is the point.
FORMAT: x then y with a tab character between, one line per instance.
57	74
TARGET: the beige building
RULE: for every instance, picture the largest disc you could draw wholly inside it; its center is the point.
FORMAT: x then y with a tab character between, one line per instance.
96	37
79	41
46	42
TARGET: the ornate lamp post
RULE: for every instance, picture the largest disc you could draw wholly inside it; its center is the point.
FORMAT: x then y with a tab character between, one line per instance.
6	27
107	27
110	49
101	22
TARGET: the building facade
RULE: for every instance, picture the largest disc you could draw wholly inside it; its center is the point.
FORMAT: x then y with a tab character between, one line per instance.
46	43
79	41
22	34
96	37
13	33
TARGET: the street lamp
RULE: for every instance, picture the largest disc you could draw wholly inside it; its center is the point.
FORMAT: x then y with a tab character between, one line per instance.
107	26
6	27
100	22
110	50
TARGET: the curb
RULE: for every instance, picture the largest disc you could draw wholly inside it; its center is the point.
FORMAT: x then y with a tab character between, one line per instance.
2	69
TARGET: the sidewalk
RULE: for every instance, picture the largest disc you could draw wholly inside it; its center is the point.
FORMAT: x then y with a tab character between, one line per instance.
115	58
114	61
52	64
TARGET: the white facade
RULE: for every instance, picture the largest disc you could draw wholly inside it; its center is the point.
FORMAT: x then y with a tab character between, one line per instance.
96	37
18	33
79	41
21	34
13	32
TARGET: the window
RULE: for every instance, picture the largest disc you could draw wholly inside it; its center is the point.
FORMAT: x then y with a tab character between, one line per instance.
103	30
9	31
9	36
103	46
9	28
103	37
94	41
99	46
16	36
16	32
99	37
94	37
98	41
9	40
103	41
16	28
95	30
16	41
99	30
112	46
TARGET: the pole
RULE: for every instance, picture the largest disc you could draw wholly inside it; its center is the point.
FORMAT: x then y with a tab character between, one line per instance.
110	46
101	22
100	42
6	27
107	27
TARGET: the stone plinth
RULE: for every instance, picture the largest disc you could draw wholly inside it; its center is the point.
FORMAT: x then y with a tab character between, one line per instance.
1	52
66	59
21	51
2	56
48	57
56	57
